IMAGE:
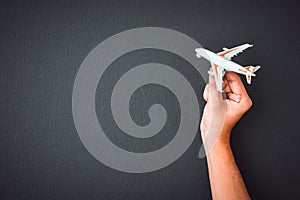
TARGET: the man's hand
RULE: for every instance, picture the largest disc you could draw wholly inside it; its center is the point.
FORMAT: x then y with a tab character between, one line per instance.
235	105
219	117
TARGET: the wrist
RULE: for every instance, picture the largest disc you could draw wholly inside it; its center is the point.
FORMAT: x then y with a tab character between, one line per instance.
224	137
219	144
220	149
223	141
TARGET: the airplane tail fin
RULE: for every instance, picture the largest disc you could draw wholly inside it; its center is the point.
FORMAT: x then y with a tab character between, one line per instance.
251	70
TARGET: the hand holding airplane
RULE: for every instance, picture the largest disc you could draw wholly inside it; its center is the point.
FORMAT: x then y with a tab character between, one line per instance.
221	62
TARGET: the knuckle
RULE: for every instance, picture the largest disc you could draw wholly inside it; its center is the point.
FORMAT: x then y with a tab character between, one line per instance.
249	104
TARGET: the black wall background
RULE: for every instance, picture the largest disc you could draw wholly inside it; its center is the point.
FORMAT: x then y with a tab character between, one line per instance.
43	44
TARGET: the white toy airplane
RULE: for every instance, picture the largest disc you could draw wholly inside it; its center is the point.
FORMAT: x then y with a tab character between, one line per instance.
221	62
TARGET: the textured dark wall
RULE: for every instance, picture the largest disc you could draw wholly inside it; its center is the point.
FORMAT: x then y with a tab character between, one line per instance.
42	46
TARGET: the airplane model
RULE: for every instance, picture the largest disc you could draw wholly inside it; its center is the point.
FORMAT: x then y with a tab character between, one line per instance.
221	62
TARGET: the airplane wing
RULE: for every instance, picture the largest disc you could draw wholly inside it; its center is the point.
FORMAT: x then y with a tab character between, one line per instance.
229	53
218	73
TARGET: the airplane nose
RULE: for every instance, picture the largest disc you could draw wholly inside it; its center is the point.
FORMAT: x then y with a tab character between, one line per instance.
197	52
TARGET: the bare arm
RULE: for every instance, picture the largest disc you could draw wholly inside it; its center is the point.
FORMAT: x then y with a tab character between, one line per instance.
225	178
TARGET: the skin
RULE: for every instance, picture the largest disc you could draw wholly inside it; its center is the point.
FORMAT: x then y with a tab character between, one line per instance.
225	178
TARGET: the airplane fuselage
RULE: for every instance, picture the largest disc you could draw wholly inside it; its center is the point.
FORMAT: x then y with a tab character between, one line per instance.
221	61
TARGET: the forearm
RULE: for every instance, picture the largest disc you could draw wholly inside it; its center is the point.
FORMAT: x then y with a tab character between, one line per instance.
225	178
